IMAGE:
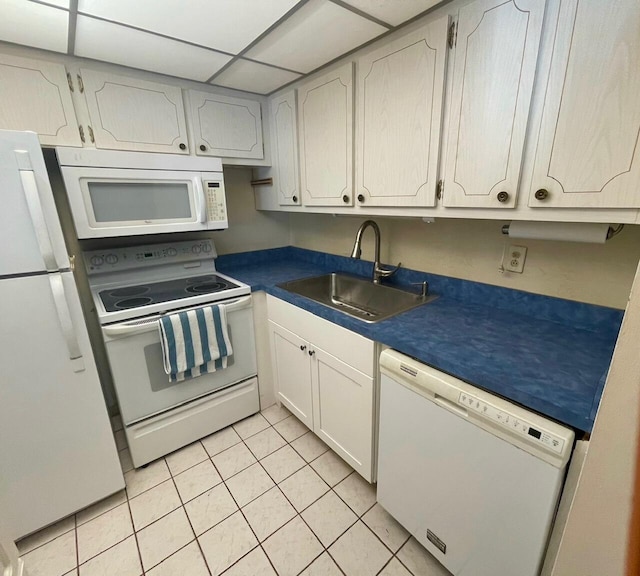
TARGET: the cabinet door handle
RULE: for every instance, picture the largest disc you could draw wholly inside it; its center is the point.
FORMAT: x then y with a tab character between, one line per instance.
345	199
312	352
360	197
203	148
295	199
182	146
503	196
541	194
303	347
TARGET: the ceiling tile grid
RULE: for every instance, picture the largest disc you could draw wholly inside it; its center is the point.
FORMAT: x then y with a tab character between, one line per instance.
252	45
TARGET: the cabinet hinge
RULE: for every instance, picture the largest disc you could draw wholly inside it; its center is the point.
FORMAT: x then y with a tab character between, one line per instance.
91	134
80	84
440	189
81	130
70	81
452	36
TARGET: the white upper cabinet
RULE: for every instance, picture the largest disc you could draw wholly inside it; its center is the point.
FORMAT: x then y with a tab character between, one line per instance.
587	149
325	123
285	148
400	94
226	126
35	96
131	114
494	67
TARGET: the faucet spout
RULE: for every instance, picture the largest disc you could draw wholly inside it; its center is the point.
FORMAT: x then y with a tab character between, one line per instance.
378	271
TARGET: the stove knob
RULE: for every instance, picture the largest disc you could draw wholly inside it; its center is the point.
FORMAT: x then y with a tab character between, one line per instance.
97	260
111	259
196	249
206	248
172	251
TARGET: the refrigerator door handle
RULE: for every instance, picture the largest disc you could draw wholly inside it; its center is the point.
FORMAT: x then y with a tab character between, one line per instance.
66	323
30	188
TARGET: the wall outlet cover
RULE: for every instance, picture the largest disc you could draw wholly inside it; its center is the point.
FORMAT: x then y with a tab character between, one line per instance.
514	259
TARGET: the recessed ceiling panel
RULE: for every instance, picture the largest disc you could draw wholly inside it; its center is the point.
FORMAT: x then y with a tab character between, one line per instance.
393	12
253	77
227	25
34	25
60	3
317	33
120	45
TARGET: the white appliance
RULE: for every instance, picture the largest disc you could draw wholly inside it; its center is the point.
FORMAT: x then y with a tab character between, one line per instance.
132	288
115	193
473	477
57	452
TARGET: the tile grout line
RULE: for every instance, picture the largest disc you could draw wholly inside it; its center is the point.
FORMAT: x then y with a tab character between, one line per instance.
135	533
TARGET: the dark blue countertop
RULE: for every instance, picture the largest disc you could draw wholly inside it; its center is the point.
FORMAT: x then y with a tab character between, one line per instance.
547	354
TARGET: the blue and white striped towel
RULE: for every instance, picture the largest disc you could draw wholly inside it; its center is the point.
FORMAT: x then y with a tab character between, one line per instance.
195	342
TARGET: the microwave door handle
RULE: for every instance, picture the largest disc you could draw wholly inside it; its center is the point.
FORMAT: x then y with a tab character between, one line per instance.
202	208
66	322
34	205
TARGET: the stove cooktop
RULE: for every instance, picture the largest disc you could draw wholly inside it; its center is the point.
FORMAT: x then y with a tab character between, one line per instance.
116	299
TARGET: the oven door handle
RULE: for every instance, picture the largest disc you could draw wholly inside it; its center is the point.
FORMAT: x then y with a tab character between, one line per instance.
140	327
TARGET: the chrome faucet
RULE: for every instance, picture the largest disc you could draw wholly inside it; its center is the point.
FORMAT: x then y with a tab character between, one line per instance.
378	271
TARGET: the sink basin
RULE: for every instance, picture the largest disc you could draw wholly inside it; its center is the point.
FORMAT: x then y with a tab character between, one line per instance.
356	296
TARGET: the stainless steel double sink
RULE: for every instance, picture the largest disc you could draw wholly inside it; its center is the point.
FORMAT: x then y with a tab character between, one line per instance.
356	296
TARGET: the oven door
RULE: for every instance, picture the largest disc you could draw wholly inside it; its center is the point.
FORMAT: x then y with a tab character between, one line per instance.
108	202
143	387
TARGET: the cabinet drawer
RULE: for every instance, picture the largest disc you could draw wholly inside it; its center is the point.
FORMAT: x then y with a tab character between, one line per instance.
353	349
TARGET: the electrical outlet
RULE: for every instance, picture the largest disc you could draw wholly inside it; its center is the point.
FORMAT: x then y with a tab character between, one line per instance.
514	259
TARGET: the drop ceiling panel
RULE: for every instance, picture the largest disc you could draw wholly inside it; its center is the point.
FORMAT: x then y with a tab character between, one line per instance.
34	25
61	3
393	12
227	25
314	35
253	77
120	45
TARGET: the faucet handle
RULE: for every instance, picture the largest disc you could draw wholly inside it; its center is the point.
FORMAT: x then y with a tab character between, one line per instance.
382	273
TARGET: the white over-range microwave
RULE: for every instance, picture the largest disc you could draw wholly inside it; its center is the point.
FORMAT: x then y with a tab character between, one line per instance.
131	193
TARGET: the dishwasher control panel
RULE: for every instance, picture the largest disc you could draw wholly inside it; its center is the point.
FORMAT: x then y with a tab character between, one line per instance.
511	422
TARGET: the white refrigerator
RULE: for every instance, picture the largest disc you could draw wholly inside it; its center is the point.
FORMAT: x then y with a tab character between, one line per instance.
57	452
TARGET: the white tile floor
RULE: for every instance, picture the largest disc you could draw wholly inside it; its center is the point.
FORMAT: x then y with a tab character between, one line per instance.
262	497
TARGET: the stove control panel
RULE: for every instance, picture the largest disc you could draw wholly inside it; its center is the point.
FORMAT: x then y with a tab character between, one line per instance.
507	420
116	259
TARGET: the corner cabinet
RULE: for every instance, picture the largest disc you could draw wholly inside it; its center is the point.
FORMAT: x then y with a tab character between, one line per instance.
131	114
587	148
325	123
225	126
324	374
400	98
285	148
495	59
35	96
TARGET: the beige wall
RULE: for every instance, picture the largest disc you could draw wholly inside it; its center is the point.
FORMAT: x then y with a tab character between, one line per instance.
248	228
472	249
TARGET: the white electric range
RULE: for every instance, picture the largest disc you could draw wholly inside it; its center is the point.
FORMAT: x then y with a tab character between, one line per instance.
132	288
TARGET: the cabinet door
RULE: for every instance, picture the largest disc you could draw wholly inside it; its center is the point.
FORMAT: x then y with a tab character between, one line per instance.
343	410
131	114
587	149
495	61
35	96
325	121
226	126
292	372
400	93
285	148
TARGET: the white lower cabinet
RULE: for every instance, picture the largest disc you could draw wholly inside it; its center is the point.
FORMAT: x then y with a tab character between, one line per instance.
324	374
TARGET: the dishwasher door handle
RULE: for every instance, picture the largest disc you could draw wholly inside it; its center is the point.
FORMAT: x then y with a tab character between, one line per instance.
450	405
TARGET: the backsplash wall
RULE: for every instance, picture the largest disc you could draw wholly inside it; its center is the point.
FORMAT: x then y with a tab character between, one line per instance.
472	250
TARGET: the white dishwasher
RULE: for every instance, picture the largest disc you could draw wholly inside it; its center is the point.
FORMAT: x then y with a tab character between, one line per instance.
473	477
